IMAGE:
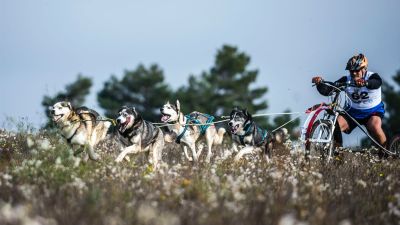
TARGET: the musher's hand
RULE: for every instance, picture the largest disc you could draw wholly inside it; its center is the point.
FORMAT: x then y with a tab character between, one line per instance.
316	80
361	83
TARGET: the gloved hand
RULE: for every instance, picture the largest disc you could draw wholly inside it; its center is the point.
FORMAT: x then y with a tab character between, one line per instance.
361	83
316	80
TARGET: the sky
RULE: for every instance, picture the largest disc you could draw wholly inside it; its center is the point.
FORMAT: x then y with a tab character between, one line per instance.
45	44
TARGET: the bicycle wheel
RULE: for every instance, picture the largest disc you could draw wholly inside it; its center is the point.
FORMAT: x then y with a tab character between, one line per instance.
322	141
394	145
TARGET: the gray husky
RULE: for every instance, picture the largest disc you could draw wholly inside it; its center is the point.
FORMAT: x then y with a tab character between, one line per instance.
246	133
138	135
81	126
188	129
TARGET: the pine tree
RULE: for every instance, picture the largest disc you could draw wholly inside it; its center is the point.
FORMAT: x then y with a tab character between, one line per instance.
228	83
141	88
75	93
225	85
391	96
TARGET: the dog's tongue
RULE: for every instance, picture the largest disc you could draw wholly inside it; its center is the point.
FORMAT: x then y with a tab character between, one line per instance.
56	118
123	125
234	129
164	118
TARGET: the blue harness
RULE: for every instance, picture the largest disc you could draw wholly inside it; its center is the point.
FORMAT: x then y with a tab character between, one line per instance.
247	129
193	120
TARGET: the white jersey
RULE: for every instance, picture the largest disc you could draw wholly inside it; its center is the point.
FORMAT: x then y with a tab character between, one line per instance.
362	97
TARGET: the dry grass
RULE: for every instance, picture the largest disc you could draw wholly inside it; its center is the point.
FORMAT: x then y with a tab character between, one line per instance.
42	182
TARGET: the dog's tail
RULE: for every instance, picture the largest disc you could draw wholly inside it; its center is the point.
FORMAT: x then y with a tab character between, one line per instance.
219	136
280	136
276	138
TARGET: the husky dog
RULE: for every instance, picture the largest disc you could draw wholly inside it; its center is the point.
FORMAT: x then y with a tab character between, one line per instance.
245	132
138	135
188	133
80	126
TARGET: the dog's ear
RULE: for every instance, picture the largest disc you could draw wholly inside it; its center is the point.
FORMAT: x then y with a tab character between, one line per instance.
134	110
167	103
178	105
247	114
237	109
66	104
122	108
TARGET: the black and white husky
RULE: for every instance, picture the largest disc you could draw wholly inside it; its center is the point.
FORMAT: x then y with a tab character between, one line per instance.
248	135
138	135
188	132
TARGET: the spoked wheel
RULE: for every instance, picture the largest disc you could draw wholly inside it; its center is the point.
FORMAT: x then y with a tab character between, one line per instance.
394	145
322	141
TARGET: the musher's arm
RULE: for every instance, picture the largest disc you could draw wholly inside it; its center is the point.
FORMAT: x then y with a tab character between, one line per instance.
374	81
326	90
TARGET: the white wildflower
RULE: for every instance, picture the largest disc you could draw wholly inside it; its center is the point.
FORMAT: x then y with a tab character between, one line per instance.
26	190
58	161
29	142
361	183
44	144
77	161
345	222
146	213
287	219
38	163
7	177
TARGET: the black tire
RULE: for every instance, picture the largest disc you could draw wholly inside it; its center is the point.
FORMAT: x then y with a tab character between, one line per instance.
321	129
394	145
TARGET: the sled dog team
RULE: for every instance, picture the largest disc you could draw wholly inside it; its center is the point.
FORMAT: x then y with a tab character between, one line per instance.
83	127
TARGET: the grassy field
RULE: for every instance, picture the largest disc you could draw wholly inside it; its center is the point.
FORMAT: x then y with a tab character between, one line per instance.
41	182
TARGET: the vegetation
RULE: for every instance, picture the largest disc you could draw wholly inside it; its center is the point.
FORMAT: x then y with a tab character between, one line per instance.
392	99
41	182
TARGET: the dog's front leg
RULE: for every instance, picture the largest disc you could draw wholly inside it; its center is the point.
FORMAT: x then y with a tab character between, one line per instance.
192	147
268	152
77	149
155	154
234	147
244	151
92	154
209	141
186	153
128	150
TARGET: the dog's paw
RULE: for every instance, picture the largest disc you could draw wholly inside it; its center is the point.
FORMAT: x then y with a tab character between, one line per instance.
119	159
267	158
208	159
237	158
85	157
95	157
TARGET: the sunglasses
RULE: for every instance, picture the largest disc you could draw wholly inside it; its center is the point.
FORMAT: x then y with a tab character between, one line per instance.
355	71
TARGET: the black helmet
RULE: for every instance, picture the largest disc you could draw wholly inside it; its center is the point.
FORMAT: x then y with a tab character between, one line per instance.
357	62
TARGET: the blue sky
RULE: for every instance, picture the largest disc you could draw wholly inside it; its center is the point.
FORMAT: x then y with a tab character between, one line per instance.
44	44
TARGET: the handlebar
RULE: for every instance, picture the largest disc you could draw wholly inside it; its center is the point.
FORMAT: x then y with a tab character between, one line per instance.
339	85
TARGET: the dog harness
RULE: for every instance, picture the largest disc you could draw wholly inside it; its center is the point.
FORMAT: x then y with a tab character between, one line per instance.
148	138
190	118
259	134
